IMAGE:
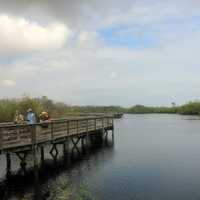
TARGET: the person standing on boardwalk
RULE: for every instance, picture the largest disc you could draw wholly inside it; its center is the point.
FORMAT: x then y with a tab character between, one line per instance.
19	118
31	117
44	116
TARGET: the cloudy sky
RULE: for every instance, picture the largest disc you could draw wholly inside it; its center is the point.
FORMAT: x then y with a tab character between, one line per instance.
92	52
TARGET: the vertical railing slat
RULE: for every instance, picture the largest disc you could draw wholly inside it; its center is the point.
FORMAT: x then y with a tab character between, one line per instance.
52	131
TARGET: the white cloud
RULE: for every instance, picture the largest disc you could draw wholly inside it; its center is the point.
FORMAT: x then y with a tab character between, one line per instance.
113	75
85	36
20	35
7	83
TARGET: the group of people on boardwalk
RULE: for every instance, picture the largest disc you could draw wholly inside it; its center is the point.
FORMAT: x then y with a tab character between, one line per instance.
31	117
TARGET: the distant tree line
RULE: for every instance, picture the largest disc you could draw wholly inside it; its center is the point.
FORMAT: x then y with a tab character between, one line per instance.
191	108
8	108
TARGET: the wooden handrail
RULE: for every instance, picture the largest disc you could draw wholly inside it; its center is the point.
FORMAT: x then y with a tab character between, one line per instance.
54	121
18	135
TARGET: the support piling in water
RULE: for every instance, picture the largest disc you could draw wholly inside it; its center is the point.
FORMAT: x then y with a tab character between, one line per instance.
42	154
67	145
22	157
64	148
8	164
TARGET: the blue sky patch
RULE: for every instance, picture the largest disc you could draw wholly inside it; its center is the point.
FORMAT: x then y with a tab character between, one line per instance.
127	37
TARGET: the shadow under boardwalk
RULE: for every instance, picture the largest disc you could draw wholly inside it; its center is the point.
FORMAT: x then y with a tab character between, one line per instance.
29	181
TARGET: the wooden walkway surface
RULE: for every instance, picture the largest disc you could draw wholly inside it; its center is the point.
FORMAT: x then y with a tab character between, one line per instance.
15	138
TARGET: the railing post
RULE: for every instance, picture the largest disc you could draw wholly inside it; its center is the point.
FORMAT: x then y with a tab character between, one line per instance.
87	133
66	124
68	128
103	131
67	139
33	134
102	124
1	139
77	127
113	130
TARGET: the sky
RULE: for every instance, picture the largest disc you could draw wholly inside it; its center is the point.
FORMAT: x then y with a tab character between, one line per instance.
104	52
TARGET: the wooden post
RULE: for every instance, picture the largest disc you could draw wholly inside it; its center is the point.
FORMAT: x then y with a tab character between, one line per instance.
36	177
102	135
113	136
64	148
1	139
35	159
68	133
113	131
87	134
66	128
34	145
67	143
51	131
42	154
102	125
8	161
77	127
82	142
113	123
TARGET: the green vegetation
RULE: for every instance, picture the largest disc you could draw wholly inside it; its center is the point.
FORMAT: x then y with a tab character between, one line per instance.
57	109
191	108
8	108
140	109
63	190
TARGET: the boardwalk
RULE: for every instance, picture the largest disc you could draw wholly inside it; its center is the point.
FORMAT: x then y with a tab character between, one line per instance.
25	139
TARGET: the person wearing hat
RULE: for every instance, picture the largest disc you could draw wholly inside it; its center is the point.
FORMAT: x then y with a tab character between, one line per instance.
19	118
44	116
31	117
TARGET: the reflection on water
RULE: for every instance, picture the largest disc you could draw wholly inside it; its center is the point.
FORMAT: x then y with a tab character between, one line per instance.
155	157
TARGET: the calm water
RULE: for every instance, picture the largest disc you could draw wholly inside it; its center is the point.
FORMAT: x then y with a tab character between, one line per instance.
154	157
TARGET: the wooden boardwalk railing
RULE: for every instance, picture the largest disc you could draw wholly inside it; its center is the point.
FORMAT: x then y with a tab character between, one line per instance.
15	137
